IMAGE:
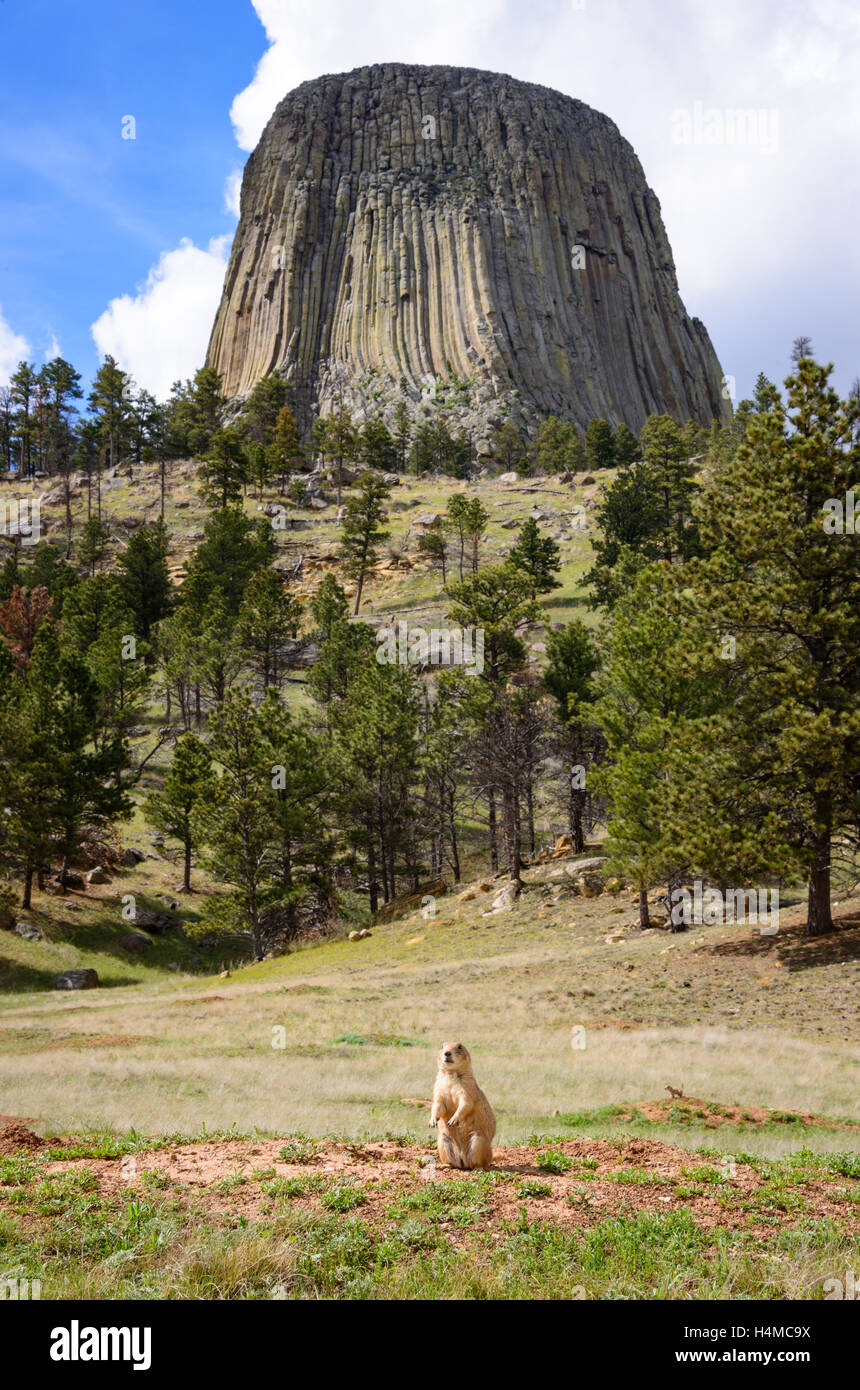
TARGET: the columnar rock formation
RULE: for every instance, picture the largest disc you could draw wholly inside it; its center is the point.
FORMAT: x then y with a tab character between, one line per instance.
409	230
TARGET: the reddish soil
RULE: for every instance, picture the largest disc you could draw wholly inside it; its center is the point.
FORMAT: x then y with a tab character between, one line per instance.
15	1135
202	1177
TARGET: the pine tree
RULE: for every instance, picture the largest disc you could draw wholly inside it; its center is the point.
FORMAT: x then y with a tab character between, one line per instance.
537	556
402	434
376	446
599	445
188	783
625	446
145	578
93	543
572	661
268	617
286	445
22	388
234	820
363	531
559	448
225	468
21	616
110	409
777	770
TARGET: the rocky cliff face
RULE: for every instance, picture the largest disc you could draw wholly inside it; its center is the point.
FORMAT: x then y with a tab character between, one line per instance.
415	231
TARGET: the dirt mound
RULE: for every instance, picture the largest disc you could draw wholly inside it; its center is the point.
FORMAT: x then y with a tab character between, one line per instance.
570	1183
17	1136
693	1110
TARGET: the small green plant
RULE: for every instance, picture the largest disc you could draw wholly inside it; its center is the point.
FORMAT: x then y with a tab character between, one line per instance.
344	1197
533	1187
553	1161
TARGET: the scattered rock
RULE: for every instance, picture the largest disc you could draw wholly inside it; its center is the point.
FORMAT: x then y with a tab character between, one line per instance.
505	900
72	881
97	875
77	979
131	857
135	944
28	931
156	923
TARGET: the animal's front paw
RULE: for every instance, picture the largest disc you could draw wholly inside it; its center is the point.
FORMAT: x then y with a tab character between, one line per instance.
432	1124
453	1121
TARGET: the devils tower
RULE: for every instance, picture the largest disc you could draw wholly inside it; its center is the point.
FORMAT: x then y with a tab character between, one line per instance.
411	230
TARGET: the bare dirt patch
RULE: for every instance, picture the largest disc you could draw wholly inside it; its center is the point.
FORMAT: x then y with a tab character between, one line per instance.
712	1115
16	1136
599	1179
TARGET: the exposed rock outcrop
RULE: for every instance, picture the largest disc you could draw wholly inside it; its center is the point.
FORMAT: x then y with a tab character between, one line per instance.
457	233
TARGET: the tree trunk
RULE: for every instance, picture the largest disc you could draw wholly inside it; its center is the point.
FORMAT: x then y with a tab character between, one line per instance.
644	919
819	919
371	875
186	877
491	816
28	888
452	828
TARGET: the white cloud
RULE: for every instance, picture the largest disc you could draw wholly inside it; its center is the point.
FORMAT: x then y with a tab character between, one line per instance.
311	37
160	334
53	349
13	349
232	190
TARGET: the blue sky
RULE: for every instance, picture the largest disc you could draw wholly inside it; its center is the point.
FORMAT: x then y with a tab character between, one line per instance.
112	244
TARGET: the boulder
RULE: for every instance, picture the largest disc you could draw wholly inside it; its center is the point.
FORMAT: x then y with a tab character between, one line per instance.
130	858
97	875
135	944
156	923
77	979
28	931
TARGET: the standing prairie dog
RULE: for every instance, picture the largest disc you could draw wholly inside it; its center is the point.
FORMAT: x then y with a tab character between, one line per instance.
461	1110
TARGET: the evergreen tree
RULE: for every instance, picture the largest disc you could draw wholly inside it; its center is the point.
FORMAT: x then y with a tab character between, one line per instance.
434	545
232	550
625	446
188	784
572	661
225	468
145	578
376	447
93	543
234	820
537	556
777	769
363	531
268	617
559	449
110	409
402	435
22	389
286	445
599	445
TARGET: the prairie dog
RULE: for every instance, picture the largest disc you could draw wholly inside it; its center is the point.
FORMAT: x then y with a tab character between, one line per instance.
462	1112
